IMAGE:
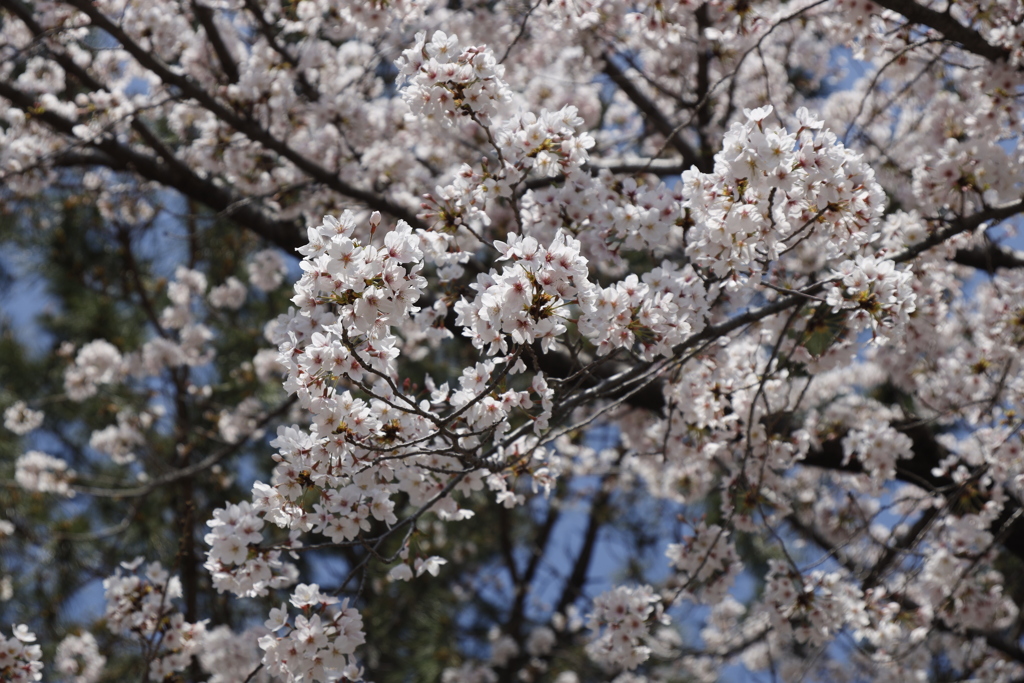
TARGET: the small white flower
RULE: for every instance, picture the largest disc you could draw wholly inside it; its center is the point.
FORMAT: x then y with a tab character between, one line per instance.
431	565
401	572
278	618
22	633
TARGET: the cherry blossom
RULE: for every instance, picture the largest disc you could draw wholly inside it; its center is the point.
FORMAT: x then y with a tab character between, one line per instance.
450	298
79	658
21	419
20	660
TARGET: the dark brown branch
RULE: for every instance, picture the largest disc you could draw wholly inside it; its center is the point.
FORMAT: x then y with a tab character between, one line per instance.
1000	644
705	111
927	453
244	123
967	37
540	544
119	157
963	224
133	273
205	16
660	87
505	537
907	541
573	587
990	257
72	158
654	115
658	167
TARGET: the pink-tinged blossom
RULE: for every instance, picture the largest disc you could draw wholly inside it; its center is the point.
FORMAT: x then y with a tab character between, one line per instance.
20	659
620	621
446	83
317	647
690	339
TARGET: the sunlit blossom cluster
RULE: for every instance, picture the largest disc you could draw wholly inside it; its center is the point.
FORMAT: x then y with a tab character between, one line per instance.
316	643
772	189
235	560
447	83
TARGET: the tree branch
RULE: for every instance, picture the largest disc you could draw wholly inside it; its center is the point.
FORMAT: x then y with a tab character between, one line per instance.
967	37
990	257
191	470
959	225
918	470
573	587
655	116
244	124
659	167
205	16
540	543
119	157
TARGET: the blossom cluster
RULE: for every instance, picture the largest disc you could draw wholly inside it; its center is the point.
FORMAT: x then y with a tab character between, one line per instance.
629	315
771	190
446	83
708	563
609	215
141	605
20	660
184	341
78	657
37	471
548	144
877	293
266	270
21	419
877	445
814	606
236	561
646	216
622	617
531	299
119	441
317	643
226	654
558	201
351	297
526	302
98	362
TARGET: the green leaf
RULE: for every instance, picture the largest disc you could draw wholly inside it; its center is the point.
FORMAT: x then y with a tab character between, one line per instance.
824	329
